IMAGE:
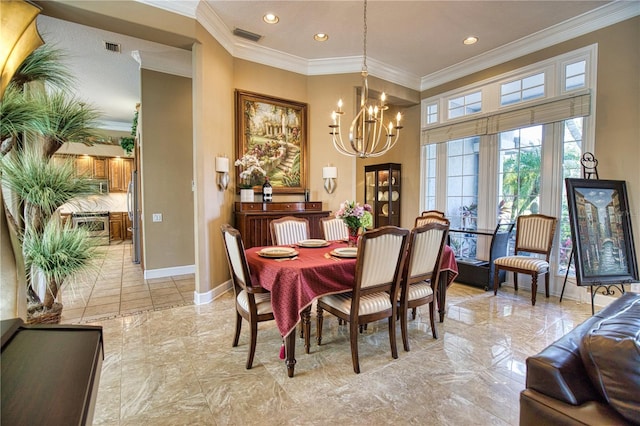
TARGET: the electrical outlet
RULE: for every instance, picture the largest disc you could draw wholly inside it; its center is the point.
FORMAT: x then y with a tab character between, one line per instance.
157	217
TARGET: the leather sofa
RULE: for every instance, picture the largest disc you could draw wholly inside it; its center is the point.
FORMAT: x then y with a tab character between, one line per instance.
590	376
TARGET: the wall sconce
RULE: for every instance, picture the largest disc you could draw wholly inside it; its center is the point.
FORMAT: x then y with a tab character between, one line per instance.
329	174
222	172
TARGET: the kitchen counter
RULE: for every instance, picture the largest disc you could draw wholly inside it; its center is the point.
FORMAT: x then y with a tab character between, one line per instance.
116	202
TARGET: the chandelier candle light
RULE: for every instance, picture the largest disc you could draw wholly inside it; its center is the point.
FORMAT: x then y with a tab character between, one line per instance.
367	128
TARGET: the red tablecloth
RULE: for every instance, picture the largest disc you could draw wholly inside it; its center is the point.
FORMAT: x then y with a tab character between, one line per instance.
294	284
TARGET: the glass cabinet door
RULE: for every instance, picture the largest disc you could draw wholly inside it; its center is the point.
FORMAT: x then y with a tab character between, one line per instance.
382	192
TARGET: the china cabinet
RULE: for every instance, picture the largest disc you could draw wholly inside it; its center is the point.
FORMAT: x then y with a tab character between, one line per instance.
382	191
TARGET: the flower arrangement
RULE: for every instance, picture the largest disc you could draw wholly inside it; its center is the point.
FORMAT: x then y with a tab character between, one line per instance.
355	215
252	171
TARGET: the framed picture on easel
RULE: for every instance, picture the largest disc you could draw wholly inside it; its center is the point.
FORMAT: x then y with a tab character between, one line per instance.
601	232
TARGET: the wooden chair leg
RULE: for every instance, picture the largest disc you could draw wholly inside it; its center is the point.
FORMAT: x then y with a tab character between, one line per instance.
353	338
319	325
432	314
306	326
496	278
392	337
515	281
252	345
413	313
238	328
534	288
546	284
403	329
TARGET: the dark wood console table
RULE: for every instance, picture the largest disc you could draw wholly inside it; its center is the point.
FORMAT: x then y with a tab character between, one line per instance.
253	219
50	373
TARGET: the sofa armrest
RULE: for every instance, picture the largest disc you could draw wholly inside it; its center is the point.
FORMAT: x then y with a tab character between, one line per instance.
537	409
558	370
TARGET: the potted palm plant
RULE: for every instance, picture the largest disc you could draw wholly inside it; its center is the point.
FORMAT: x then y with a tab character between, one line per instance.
34	124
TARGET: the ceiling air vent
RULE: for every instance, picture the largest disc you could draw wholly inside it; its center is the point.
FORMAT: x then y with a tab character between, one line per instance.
112	47
246	34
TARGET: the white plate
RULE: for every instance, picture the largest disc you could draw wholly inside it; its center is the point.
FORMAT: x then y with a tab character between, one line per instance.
385	196
345	252
395	196
385	209
277	252
313	243
380	195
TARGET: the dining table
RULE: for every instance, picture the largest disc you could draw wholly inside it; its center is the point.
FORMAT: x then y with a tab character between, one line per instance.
307	273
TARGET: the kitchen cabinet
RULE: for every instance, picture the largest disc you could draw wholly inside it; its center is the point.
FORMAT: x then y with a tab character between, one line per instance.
382	191
100	168
116	226
119	226
92	167
253	219
119	173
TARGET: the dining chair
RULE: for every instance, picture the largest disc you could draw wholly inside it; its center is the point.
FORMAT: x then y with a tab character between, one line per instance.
432	213
421	273
534	234
253	303
289	230
423	220
334	229
375	291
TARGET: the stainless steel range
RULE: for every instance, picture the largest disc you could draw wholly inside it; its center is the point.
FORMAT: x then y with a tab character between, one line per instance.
97	223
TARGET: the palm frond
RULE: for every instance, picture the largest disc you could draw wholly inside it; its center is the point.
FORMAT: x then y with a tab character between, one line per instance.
59	252
66	118
19	114
41	182
45	64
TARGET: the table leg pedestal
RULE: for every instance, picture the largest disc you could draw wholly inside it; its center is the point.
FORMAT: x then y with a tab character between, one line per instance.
290	350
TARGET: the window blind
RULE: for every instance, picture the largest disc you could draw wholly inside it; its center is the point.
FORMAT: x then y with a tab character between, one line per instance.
542	112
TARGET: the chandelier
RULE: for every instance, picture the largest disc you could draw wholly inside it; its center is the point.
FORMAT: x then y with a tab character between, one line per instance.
368	135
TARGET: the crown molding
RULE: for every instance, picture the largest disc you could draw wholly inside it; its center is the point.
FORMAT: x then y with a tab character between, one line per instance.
183	7
604	16
175	61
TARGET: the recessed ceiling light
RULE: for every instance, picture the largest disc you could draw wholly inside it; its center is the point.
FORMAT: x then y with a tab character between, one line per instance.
470	40
321	37
270	18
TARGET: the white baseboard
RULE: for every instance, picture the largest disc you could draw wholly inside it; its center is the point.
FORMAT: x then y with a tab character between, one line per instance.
209	296
169	272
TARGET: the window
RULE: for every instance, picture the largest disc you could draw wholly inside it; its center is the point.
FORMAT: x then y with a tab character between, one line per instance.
522	90
432	113
465	105
520	162
462	192
571	154
575	75
513	158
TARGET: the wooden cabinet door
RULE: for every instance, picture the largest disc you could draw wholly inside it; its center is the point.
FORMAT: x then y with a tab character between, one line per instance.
100	168
115	227
127	167
116	177
84	165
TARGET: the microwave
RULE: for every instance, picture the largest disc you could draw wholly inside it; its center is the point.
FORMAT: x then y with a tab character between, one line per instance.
100	186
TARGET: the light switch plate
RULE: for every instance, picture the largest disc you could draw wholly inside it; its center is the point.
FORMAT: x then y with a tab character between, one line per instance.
157	217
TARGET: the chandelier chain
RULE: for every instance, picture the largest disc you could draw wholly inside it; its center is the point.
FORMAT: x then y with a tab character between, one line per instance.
364	57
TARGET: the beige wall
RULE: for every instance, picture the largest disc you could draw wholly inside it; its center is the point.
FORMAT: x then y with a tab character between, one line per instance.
167	170
213	136
617	106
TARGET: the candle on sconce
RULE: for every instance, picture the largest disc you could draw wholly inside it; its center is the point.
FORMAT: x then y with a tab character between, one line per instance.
398	117
339	105
222	164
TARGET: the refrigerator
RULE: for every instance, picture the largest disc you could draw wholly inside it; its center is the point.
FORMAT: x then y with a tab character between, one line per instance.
133	210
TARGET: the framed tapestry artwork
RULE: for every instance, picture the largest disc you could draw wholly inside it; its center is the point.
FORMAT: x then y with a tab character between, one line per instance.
271	141
603	247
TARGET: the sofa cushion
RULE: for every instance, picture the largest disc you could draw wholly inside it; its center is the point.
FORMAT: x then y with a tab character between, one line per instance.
610	352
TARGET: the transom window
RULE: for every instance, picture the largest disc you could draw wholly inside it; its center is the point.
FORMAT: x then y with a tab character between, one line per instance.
575	75
465	105
524	89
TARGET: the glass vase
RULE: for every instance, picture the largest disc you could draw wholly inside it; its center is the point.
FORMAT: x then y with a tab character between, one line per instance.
354	234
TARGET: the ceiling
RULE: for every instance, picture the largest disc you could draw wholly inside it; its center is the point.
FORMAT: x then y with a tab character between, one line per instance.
414	43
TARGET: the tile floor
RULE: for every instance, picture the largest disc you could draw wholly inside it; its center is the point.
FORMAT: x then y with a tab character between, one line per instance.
177	367
116	287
